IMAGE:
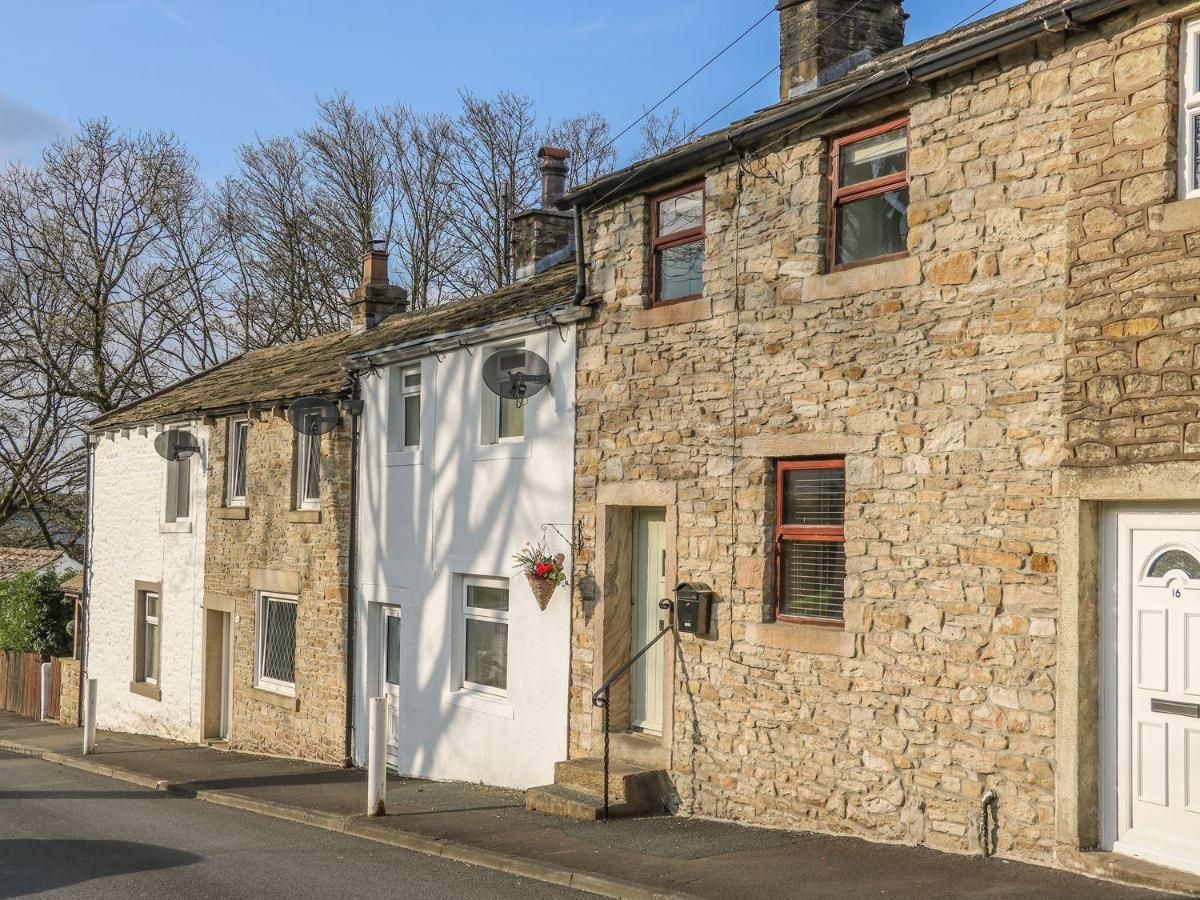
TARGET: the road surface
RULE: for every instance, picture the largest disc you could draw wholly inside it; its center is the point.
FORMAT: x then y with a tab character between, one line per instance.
66	833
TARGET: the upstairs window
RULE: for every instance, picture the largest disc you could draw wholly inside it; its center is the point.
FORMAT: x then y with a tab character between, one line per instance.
308	464
677	245
1189	111
503	417
179	489
235	462
869	213
810	559
404	412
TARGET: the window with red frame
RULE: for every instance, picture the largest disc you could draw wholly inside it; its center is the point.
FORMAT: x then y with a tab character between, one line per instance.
810	557
869	213
677	245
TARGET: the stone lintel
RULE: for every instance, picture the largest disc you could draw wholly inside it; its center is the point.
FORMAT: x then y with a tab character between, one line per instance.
636	493
274	580
806	444
823	640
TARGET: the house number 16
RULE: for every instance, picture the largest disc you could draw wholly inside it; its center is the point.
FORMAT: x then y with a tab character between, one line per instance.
1175	592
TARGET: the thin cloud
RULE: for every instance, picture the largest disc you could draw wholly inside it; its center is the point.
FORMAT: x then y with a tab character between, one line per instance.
25	130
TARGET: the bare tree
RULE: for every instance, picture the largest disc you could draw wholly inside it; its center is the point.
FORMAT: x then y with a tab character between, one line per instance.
495	175
661	133
588	138
422	155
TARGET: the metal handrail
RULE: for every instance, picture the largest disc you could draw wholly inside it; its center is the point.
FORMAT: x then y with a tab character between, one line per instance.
600	698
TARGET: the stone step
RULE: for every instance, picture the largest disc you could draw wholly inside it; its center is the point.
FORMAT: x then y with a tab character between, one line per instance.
568	803
626	782
638	749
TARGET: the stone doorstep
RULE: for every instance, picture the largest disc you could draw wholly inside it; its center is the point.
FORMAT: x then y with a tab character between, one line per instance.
578	791
362	827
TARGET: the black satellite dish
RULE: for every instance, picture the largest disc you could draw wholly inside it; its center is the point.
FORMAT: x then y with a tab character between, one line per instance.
313	415
174	445
515	373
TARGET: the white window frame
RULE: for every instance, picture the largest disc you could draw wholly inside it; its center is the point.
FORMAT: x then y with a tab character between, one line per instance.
1189	109
397	424
492	404
235	459
144	648
466	613
171	514
303	441
261	681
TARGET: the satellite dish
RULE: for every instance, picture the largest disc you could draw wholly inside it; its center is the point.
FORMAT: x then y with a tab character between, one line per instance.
175	444
515	373
313	415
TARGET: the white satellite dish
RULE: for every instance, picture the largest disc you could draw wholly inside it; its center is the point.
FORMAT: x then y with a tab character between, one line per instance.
176	444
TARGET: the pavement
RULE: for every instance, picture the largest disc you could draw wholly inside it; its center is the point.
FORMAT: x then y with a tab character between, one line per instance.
489	827
67	833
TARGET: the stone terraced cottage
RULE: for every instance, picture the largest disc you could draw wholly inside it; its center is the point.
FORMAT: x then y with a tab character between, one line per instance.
904	371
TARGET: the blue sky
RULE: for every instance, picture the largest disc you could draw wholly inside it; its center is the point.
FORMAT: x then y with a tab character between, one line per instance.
219	72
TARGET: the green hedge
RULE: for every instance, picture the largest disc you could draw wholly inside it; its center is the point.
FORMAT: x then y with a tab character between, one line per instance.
35	615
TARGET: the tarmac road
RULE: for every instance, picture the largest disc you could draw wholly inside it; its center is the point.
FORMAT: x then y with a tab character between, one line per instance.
66	833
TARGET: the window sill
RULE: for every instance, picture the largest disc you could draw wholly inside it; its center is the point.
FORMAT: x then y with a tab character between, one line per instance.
175	527
144	689
503	450
484	703
673	313
304	516
862	279
275	698
1179	215
822	640
402	458
232	512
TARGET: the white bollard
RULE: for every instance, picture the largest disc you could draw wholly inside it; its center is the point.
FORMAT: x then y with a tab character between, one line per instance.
89	716
45	710
376	755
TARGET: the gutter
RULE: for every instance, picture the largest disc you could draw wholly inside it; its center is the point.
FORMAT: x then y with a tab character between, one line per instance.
215	411
449	341
888	79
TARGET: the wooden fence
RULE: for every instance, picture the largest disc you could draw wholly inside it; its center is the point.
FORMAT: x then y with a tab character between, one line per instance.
21	684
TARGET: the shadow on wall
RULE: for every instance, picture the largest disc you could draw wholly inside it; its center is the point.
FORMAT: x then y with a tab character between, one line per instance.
479	511
34	866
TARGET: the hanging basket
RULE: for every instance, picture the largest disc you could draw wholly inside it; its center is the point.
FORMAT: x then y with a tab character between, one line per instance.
543	589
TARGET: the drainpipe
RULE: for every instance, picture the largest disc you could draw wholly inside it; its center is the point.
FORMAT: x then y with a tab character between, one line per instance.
580	264
85	604
355	406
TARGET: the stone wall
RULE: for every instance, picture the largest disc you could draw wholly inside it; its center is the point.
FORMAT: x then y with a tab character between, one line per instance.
1134	323
939	377
68	691
306	549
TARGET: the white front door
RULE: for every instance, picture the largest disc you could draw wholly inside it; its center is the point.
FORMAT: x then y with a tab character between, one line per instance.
649	586
1157	686
389	677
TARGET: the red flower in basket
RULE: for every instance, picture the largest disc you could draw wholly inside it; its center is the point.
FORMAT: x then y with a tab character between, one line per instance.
543	569
544	572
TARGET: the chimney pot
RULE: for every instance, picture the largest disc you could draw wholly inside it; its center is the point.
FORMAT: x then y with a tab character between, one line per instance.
554	174
376	297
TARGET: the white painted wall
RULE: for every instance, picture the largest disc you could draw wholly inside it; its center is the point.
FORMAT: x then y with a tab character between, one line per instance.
461	508
130	542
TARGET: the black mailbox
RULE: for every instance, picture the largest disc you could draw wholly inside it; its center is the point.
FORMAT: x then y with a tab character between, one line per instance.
693	601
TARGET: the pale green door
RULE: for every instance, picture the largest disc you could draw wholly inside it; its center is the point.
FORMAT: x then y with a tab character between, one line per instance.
649	586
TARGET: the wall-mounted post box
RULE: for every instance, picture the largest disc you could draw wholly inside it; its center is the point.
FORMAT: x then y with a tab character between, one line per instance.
693	603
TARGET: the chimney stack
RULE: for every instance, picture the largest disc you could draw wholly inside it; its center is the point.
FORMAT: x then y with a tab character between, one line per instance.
816	35
376	297
541	237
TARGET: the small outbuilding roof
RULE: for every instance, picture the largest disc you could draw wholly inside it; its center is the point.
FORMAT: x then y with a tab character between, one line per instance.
15	560
315	367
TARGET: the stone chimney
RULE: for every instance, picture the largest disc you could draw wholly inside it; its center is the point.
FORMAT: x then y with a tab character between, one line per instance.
817	35
542	237
376	297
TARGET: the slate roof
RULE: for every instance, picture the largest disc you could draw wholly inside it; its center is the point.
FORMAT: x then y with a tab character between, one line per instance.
282	373
73	585
15	560
887	71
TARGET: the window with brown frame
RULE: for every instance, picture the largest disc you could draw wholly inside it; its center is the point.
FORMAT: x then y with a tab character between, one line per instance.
810	554
677	245
868	219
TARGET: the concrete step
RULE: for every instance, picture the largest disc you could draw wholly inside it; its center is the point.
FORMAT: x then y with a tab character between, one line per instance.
635	784
556	800
638	749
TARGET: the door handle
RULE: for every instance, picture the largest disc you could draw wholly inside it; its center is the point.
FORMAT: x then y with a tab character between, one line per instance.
1174	707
